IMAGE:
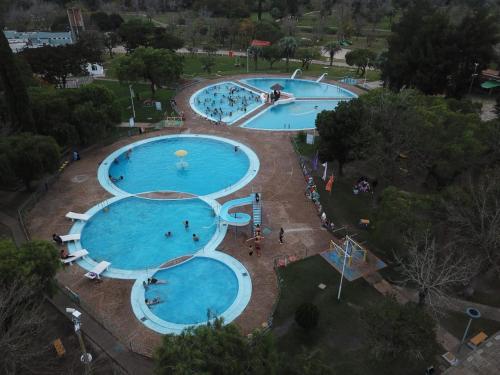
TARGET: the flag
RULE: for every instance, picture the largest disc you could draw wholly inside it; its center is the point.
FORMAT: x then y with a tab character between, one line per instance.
329	184
325	164
315	162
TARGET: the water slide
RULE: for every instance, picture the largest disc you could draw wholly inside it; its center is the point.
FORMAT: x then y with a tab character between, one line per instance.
238	218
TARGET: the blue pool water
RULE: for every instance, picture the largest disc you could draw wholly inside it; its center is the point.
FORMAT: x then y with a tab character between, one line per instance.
300	88
192	288
212	166
294	116
130	234
226	102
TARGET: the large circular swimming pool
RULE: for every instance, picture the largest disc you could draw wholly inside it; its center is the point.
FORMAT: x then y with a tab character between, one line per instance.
130	233
212	166
194	290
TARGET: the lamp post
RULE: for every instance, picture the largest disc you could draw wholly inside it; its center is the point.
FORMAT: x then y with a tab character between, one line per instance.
367	63
86	358
473	76
132	99
472	313
248	53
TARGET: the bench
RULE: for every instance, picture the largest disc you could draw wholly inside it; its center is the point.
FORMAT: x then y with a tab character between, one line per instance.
59	347
477	340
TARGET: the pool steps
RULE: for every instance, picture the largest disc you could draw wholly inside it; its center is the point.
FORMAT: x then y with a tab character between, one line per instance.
257	213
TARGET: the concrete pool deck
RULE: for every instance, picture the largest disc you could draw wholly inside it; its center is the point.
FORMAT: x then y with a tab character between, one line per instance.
282	185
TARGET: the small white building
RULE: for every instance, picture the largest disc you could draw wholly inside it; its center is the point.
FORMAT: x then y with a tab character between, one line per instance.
95	70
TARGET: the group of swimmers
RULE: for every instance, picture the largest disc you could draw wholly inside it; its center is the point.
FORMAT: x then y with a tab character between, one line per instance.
237	98
186	226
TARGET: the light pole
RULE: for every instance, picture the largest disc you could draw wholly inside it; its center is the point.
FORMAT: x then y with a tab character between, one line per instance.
248	52
346	245
132	99
472	313
367	63
473	76
86	358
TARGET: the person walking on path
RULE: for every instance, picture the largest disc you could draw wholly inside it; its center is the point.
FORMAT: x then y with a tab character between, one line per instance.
282	234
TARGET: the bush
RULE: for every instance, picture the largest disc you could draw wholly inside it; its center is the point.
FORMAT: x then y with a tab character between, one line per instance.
276	13
307	315
301	137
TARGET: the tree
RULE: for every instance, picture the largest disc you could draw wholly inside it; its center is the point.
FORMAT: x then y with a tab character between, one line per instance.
254	53
473	212
307	315
157	66
165	40
434	271
106	22
430	53
307	362
216	349
399	331
111	40
399	213
361	58
56	64
271	54
34	263
288	46
339	131
16	95
75	117
265	30
475	38
31	156
332	48
306	55
135	33
22	347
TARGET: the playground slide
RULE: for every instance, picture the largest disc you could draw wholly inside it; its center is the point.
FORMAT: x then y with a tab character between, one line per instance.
239	218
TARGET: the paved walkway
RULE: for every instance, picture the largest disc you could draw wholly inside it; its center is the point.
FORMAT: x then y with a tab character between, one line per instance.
129	361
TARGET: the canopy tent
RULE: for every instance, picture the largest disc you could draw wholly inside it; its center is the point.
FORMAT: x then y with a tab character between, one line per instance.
260	43
277	87
490	84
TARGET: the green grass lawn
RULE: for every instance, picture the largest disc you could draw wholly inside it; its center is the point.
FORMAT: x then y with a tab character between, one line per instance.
226	66
341	332
143	113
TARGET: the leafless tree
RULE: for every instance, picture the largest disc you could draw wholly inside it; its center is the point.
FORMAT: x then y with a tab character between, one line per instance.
22	322
434	270
474	216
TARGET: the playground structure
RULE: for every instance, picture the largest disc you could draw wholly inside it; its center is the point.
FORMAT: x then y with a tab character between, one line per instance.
351	259
352	250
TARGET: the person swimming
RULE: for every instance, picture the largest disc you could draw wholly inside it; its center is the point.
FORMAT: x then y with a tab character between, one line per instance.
168	234
195	238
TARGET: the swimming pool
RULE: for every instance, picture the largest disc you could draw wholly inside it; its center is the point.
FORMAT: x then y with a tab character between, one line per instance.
212	166
298	115
226	102
300	88
192	290
130	233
